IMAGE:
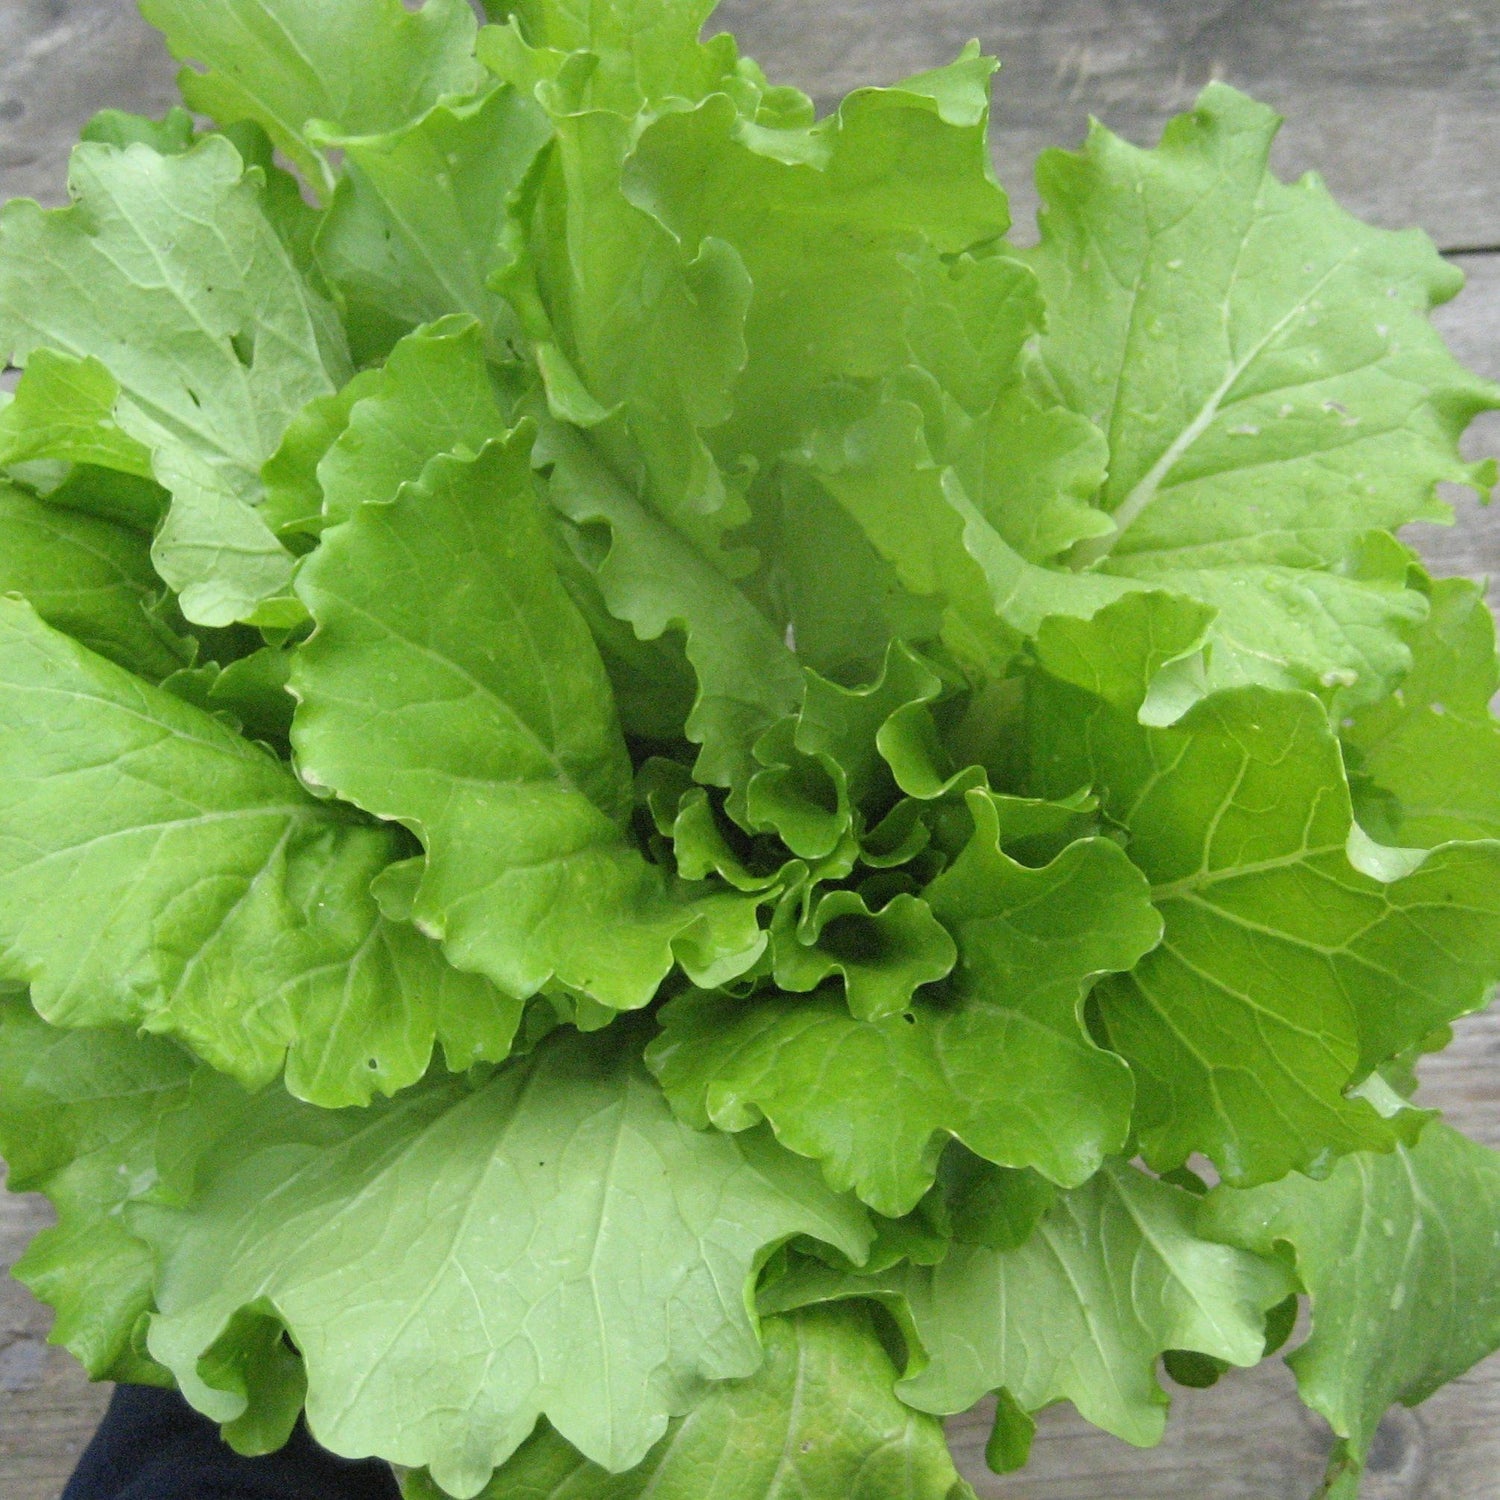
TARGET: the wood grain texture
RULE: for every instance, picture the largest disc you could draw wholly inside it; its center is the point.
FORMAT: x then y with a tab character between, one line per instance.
1397	102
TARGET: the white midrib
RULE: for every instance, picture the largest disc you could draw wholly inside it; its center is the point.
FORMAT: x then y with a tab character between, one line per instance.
1146	489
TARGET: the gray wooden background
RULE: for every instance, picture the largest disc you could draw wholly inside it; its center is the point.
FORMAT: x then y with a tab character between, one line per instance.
1397	103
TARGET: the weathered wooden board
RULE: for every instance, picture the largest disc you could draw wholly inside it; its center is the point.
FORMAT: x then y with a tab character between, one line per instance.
1398	103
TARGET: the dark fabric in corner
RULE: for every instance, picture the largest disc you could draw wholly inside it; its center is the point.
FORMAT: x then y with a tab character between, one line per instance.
153	1446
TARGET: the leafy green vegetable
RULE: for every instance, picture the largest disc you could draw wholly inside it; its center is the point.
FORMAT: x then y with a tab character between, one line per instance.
1114	1274
354	67
77	1122
166	275
1313	961
156	869
1399	1255
574	1250
818	1418
502	751
1434	744
999	1059
507	526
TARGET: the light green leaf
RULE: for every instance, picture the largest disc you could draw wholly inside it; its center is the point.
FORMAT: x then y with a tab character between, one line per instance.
873	459
845	603
65	409
78	1115
843	725
174	132
494	739
1281	625
1115	1274
1401	1257
636	340
250	694
434	395
90	579
572	1251
357	67
824	218
637	52
293	502
1264	369
653	578
414	230
156	870
1261	362
1031	470
821	216
997	1207
1435	745
167	273
999	1059
1285	975
818	1418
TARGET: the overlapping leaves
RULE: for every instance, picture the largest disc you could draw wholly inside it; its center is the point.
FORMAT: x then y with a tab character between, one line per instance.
971	699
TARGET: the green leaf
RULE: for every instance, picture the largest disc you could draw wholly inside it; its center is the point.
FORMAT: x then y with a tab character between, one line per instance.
1263	367
998	1207
78	1116
493	738
1031	470
1286	973
174	132
1257	357
166	272
65	409
1434	744
653	578
843	725
882	955
845	603
158	871
818	1418
1115	1274
250	694
1001	1060
434	395
415	228
572	1252
818	216
872	458
353	67
90	579
635	340
636	52
1400	1255
821	216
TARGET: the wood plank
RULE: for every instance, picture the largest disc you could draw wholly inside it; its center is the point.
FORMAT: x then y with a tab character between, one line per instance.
1392	100
1471	325
60	62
